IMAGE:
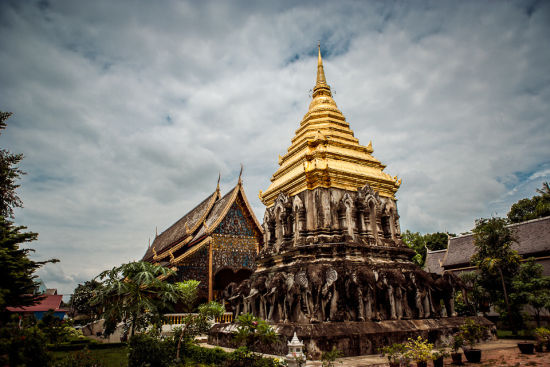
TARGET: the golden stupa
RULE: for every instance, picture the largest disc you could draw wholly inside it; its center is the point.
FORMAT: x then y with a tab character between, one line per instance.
325	153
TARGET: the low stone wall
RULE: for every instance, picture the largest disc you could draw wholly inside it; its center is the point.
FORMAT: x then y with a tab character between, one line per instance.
354	338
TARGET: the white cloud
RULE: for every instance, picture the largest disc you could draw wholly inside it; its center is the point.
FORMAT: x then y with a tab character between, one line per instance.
127	112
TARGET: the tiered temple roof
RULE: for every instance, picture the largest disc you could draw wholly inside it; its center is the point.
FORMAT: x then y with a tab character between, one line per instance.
325	153
193	230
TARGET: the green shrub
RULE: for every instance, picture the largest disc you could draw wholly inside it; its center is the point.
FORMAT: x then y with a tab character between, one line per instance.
254	332
198	354
25	346
472	332
419	349
395	352
328	358
243	357
93	345
150	351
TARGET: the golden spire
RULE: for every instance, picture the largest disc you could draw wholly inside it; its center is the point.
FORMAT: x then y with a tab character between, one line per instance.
321	86
325	153
320	71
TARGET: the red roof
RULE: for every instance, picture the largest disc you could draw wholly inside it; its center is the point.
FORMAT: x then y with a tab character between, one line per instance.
47	303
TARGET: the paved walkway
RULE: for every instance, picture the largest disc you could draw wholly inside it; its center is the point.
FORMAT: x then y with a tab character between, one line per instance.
502	352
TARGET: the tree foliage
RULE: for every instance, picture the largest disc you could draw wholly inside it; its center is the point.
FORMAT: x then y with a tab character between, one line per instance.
133	294
9	174
536	207
493	240
81	297
197	323
419	243
532	288
497	262
16	269
479	299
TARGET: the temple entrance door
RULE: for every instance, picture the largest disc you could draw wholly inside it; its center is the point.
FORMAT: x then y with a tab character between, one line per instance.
224	276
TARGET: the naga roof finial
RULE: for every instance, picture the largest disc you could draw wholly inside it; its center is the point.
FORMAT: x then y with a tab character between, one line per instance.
218	186
240	175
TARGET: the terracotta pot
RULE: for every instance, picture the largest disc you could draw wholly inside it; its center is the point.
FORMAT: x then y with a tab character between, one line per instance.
439	361
422	364
526	347
457	358
473	355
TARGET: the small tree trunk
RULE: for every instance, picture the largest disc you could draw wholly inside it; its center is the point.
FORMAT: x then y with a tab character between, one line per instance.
179	342
512	326
134	317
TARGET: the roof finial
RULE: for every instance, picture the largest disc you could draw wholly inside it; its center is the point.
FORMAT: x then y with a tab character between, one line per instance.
240	175
156	232
320	71
218	186
321	86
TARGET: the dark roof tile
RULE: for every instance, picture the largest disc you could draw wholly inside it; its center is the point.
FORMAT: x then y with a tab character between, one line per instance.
533	238
434	259
177	231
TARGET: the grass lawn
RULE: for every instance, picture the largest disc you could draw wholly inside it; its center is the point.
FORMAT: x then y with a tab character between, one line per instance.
112	357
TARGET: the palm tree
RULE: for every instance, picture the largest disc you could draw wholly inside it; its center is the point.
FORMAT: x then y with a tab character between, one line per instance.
545	189
136	294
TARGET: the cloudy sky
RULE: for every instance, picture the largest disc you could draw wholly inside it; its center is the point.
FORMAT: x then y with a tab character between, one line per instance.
126	111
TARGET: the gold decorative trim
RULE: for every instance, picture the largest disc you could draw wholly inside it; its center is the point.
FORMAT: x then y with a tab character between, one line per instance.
249	208
191	251
175	248
163	277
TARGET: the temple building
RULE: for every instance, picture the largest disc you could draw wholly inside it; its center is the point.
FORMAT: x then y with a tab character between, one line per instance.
216	242
333	268
533	240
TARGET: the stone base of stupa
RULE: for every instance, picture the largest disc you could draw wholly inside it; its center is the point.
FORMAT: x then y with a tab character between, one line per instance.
353	338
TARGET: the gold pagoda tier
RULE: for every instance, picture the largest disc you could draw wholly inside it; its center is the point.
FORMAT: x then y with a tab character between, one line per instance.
325	153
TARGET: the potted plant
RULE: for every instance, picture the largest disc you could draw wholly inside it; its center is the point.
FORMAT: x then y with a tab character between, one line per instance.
438	356
526	347
472	333
395	354
542	335
456	344
419	350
